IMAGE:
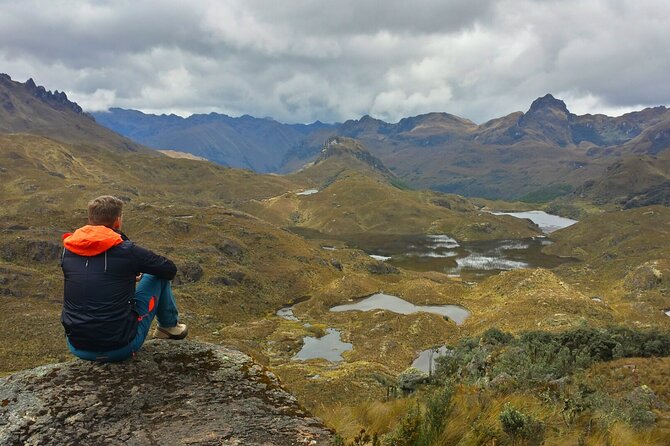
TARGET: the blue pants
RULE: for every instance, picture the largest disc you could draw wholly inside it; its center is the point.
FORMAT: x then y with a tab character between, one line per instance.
153	298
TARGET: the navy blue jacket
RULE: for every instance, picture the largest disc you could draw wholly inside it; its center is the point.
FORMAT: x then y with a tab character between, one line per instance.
100	266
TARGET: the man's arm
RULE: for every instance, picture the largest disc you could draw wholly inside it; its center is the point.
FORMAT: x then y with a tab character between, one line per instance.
151	263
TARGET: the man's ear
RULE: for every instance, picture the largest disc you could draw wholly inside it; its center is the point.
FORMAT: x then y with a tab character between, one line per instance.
117	223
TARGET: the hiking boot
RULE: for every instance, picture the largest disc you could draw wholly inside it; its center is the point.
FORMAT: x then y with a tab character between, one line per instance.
179	331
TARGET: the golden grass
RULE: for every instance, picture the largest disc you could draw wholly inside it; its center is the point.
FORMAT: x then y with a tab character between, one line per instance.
374	416
474	419
281	267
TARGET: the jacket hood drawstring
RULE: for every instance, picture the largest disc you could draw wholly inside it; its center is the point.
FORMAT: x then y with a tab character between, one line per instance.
105	261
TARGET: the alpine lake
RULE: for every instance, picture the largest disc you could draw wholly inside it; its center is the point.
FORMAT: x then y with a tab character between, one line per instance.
468	261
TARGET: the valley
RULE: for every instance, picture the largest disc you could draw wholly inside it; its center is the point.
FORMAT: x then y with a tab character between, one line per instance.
339	276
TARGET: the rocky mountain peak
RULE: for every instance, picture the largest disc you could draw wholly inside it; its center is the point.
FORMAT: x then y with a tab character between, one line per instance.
340	146
548	120
170	393
57	99
548	102
26	107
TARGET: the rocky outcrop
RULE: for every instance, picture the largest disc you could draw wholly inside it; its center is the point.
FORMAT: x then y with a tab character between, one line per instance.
341	146
646	276
171	393
56	98
30	250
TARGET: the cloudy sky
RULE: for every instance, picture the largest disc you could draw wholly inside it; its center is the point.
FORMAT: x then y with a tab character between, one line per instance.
303	60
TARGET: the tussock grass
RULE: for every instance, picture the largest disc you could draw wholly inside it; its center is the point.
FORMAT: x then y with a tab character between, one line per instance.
374	416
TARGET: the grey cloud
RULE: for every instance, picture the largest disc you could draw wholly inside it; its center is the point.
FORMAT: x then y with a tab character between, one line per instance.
371	16
305	60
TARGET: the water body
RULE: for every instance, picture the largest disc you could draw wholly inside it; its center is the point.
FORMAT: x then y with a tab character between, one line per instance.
426	360
329	347
478	259
547	222
472	261
287	313
381	258
395	304
483	262
308	192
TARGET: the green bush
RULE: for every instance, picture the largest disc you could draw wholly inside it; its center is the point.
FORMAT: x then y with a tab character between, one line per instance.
493	336
423	428
537	356
408	432
522	428
547	193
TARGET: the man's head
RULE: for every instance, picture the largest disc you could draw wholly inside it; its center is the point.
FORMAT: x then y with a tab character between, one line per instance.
105	211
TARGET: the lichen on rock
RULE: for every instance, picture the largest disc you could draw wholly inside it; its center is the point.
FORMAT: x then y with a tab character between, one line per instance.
170	393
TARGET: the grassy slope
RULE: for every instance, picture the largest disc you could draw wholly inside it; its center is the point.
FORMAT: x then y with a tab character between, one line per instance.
625	263
189	211
23	112
177	207
359	201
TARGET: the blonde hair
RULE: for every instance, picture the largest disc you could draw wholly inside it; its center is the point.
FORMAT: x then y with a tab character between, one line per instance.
104	210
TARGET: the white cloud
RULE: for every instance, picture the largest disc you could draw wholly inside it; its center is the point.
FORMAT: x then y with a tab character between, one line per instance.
314	59
99	100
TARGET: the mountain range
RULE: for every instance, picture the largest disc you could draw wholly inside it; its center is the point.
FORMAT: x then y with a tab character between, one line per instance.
345	224
536	156
245	142
541	154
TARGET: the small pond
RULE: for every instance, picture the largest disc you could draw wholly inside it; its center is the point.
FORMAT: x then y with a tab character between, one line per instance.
427	359
287	313
308	192
547	222
329	347
380	258
395	304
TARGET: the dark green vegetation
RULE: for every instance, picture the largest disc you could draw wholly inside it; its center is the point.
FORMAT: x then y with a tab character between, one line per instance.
547	193
538	358
630	182
551	368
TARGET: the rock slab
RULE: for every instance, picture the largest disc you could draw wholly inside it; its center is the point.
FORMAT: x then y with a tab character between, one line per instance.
171	393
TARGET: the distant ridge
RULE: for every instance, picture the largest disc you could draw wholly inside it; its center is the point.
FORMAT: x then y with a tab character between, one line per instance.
56	99
258	144
31	108
542	153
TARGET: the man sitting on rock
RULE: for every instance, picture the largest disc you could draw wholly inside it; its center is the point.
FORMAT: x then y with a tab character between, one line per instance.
105	317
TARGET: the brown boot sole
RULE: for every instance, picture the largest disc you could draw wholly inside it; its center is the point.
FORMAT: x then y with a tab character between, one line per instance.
161	333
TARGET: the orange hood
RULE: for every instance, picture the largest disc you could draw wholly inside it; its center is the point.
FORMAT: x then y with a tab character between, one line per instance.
91	240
